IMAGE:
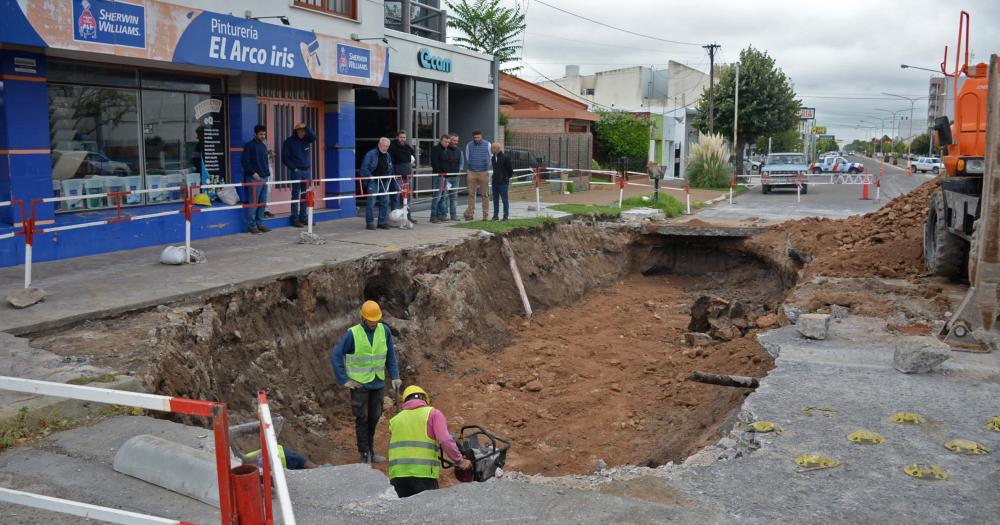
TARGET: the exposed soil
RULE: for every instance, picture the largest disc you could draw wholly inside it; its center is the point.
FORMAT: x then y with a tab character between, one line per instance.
885	243
611	376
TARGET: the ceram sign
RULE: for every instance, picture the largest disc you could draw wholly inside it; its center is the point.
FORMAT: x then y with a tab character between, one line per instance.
429	61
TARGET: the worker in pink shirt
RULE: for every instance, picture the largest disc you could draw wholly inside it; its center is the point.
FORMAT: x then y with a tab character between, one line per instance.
418	434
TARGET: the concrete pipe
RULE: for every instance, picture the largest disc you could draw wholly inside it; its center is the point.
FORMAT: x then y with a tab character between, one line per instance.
170	465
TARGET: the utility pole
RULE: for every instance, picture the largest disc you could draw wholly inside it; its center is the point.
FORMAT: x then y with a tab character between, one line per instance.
711	85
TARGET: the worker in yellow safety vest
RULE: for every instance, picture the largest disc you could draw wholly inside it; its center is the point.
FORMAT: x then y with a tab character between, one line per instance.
417	434
360	361
290	459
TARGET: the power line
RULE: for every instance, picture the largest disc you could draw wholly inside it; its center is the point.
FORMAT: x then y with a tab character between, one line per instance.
550	6
593	43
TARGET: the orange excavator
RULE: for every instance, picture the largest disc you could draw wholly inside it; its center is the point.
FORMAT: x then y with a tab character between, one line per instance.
962	232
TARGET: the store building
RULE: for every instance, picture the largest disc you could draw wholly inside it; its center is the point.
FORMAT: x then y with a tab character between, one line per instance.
99	95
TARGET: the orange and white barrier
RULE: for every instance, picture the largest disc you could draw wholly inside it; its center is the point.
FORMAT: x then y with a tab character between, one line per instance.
174	405
269	442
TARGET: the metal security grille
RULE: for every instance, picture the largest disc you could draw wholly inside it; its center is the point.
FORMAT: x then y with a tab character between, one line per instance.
559	150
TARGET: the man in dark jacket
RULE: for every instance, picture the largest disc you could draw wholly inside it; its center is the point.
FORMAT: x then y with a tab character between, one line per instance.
256	168
375	169
454	164
296	155
439	160
403	157
503	170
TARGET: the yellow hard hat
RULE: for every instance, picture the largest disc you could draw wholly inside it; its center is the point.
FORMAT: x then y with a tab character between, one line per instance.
371	312
202	200
414	389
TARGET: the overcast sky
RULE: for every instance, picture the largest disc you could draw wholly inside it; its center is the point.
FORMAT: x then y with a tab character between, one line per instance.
846	48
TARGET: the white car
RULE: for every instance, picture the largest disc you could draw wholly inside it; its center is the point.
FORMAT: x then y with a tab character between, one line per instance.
925	164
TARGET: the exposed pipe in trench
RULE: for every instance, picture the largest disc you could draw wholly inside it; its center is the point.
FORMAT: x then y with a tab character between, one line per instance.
509	253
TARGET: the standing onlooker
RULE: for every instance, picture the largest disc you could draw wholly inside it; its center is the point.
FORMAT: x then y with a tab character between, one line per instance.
477	155
256	168
439	157
296	155
360	362
376	163
403	158
456	164
503	170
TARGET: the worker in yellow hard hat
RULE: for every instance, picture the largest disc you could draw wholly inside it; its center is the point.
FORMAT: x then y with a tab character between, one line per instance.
418	433
360	361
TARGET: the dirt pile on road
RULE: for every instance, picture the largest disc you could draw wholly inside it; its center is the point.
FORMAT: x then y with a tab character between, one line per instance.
885	243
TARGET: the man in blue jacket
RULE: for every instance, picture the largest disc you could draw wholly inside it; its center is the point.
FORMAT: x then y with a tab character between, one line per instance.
360	361
477	158
377	163
296	155
256	168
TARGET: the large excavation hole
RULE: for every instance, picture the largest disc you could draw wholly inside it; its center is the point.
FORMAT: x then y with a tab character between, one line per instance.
600	371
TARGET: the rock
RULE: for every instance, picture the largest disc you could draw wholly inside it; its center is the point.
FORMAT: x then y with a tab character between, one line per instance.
727	442
919	355
697	339
26	297
727	333
705	308
600	465
838	312
767	321
813	326
534	386
792	313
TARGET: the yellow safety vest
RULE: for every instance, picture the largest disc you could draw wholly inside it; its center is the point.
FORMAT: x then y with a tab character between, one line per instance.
412	453
368	360
260	461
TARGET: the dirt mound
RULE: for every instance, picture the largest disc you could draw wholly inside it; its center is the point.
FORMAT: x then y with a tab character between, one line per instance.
885	243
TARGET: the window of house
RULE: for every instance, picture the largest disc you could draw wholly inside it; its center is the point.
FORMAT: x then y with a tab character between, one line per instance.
115	129
345	8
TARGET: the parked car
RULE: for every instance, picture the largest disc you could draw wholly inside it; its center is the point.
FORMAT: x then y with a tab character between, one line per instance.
836	164
931	164
783	170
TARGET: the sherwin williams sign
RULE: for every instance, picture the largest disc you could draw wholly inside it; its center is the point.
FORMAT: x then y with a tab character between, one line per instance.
111	23
165	32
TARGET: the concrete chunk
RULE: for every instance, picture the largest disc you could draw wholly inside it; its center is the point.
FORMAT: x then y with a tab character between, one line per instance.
838	312
697	339
919	355
813	326
640	214
792	313
26	297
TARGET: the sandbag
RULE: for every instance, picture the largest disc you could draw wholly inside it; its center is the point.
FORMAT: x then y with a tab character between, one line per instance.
177	255
397	219
228	196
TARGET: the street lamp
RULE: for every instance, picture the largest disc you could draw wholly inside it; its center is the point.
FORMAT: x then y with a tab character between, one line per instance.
881	120
906	66
892	129
913	100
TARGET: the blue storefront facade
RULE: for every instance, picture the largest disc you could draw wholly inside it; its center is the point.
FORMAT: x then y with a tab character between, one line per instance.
99	96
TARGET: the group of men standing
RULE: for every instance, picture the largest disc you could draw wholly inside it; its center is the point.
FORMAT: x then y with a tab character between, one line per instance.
418	432
384	171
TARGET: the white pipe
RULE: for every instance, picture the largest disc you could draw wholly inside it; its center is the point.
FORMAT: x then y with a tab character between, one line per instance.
187	240
309	218
284	501
517	277
27	266
688	198
798	193
538	201
84	510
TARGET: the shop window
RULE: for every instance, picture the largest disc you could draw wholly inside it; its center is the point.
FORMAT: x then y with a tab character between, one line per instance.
345	8
425	19
174	82
91	74
94	134
424	95
394	14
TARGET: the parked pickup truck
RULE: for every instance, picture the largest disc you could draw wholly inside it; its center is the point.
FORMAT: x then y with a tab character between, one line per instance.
836	164
783	170
925	164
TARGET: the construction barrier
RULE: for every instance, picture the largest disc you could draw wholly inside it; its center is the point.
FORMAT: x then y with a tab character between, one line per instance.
174	405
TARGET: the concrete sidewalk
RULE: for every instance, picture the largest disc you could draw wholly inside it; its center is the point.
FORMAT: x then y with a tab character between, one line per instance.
113	283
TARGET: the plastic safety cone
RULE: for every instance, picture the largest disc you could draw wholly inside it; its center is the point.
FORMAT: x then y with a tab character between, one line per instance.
864	189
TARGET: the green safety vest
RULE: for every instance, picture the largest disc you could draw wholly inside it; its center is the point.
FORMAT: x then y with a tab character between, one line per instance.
412	454
368	360
281	454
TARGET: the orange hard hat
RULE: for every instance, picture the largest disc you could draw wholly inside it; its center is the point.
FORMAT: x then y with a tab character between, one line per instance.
370	311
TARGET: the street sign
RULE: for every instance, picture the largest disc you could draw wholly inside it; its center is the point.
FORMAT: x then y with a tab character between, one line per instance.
819	130
807	113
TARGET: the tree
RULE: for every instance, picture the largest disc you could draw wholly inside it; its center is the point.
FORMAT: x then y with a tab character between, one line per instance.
921	145
489	28
621	134
767	101
824	145
783	142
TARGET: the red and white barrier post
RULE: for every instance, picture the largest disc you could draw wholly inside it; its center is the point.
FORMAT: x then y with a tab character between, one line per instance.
310	204
284	501
878	188
538	191
28	228
621	188
186	194
732	182
687	195
798	188
406	197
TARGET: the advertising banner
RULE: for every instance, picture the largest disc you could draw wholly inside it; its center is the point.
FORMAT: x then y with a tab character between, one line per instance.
157	30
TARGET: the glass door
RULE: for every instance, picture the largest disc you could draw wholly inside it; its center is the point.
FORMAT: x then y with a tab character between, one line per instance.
280	116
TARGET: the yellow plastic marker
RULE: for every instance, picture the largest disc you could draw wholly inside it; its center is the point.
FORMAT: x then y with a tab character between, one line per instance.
907	417
763	426
993	424
815	461
965	446
866	438
925	471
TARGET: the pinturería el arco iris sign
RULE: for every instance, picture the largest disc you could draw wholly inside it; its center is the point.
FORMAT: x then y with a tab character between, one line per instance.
430	61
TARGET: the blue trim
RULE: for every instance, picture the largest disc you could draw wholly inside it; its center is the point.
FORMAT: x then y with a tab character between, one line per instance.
339	147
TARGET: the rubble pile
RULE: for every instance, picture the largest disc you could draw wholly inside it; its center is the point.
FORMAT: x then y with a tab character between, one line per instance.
885	243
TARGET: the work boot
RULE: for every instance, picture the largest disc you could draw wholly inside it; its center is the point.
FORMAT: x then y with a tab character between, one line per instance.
375	458
254	230
366	458
298	224
383	226
435	220
263	228
370	226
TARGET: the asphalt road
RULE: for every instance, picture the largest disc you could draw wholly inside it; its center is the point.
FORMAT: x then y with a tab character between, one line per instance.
822	200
